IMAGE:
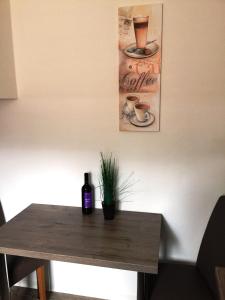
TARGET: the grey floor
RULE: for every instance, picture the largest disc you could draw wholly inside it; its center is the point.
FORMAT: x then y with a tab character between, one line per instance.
19	293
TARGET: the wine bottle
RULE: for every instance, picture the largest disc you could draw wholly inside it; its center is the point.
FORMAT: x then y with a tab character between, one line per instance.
87	196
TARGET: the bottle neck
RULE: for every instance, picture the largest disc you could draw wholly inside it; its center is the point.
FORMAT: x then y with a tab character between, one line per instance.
86	178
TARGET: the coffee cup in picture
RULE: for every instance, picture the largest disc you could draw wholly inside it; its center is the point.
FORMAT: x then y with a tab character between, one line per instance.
131	101
141	111
141	31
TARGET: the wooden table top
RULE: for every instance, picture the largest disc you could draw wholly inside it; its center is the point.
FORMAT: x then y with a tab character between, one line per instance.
130	241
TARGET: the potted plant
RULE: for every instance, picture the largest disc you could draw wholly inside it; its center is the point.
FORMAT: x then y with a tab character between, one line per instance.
108	185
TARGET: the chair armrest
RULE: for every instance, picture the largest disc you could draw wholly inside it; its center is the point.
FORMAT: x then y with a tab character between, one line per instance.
220	278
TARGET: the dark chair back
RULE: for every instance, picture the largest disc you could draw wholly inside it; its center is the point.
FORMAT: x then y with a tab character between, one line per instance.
2	216
212	250
4	284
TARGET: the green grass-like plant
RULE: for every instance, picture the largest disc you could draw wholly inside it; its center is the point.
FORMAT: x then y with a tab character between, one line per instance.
108	179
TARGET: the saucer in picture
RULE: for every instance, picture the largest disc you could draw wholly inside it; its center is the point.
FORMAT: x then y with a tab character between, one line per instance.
150	118
151	48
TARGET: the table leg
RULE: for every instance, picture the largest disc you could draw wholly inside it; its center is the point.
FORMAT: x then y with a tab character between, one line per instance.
41	282
143	286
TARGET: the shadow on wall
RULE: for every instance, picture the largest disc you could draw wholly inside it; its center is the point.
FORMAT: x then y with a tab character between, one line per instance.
168	240
29	282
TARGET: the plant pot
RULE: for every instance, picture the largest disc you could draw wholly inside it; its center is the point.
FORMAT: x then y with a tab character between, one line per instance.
108	211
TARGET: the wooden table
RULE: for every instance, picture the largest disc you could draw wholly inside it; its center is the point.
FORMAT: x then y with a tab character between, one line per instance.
129	242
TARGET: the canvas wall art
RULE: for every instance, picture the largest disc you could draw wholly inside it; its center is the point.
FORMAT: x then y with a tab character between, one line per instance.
140	33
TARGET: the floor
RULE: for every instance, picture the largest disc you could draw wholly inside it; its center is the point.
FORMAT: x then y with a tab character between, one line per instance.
19	293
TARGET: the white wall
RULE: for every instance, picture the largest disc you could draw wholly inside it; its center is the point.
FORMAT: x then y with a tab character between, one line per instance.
67	112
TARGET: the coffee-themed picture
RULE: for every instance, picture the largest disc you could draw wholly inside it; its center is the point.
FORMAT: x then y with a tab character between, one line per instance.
140	30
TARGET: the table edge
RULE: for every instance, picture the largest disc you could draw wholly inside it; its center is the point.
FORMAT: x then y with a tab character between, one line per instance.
80	260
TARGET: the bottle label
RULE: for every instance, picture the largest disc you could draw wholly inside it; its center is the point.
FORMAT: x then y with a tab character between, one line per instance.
87	200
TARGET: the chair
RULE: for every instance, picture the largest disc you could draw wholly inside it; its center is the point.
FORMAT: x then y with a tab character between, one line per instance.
220	277
15	268
180	281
